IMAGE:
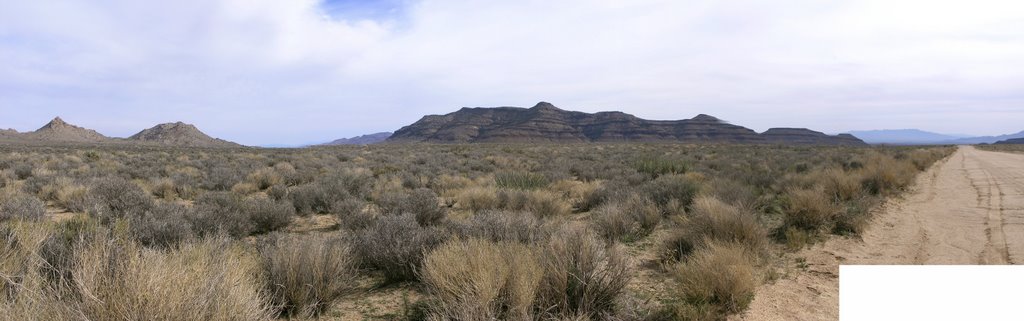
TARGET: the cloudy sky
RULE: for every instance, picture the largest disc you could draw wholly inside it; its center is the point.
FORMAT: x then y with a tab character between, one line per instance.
288	72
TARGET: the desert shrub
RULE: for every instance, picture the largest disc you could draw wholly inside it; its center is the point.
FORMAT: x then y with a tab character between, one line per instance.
277	192
395	245
664	189
21	207
223	177
582	277
809	209
520	180
627	220
713	220
244	188
219	212
841	185
23	170
305	274
117	198
656	166
164	225
267	215
311	198
503	226
477	199
718	279
319	196
733	192
482	280
209	280
421	202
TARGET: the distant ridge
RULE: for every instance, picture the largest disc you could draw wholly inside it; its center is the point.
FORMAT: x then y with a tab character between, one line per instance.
361	140
986	139
903	137
1014	141
546	123
179	134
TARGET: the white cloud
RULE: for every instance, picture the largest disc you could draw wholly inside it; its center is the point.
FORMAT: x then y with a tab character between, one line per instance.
267	71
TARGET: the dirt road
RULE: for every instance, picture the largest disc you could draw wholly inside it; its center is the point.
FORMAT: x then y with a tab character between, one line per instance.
968	209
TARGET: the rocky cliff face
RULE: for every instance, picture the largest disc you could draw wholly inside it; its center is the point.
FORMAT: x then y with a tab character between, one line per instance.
547	123
179	134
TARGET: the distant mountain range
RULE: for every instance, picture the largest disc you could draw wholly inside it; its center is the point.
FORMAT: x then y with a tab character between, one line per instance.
919	137
546	123
1011	141
361	140
57	131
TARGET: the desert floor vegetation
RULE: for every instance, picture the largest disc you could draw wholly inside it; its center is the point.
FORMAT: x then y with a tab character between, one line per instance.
422	232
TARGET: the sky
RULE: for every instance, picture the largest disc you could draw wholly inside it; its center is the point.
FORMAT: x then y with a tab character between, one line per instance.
294	72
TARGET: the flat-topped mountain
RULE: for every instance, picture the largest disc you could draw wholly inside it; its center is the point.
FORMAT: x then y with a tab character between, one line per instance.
803	136
59	131
547	123
179	134
362	140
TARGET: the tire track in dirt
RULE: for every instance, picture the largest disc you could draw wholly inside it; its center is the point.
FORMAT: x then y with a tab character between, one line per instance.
967	209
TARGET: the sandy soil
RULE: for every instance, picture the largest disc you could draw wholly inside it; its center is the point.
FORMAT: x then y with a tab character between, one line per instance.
967	209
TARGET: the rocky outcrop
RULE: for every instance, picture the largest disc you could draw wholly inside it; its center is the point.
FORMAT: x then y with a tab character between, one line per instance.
361	140
547	123
803	136
59	131
179	134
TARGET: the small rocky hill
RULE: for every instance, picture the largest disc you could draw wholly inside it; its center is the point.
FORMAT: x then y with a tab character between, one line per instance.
179	134
59	131
361	140
546	123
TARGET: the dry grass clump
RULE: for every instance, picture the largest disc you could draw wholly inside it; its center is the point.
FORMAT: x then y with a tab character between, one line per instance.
841	185
477	199
883	175
482	280
576	192
715	221
541	202
206	280
64	192
809	209
520	180
395	245
717	280
627	220
659	165
304	275
582	276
